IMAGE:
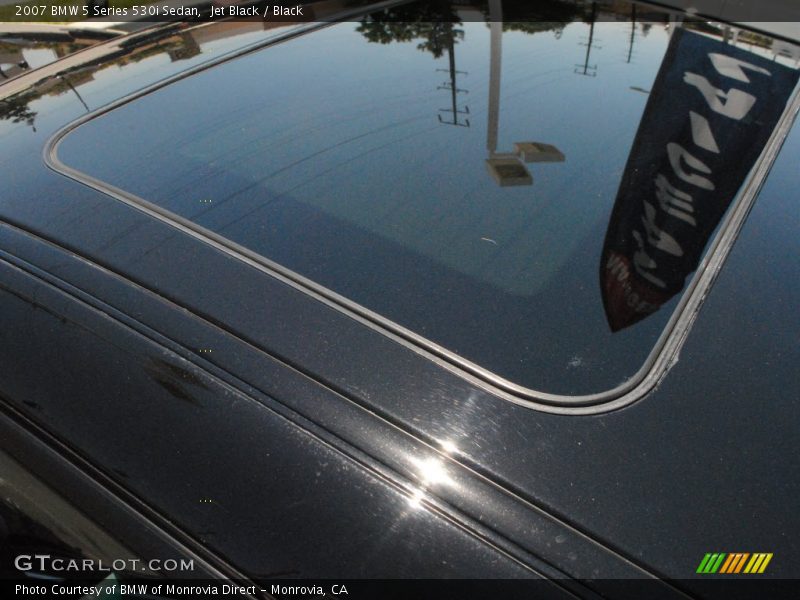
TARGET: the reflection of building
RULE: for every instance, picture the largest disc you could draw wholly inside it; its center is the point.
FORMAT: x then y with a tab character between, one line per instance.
29	47
177	42
61	71
786	50
186	49
12	61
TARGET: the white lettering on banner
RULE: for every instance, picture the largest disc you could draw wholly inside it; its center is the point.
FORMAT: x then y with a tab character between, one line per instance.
657	238
673	201
642	261
734	68
734	104
676	152
701	133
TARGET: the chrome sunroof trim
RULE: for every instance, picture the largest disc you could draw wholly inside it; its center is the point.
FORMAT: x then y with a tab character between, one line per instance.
661	358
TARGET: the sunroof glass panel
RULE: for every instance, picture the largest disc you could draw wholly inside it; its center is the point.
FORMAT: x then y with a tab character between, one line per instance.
531	196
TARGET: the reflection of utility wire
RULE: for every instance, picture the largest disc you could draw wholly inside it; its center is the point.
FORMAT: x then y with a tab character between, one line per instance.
541	84
327	149
294	134
516	80
230	116
357	156
206	129
318	175
206	174
309	157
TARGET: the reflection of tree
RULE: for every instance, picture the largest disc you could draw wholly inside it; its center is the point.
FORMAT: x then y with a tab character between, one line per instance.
167	40
536	17
16	110
66	49
7	48
433	22
532	27
439	37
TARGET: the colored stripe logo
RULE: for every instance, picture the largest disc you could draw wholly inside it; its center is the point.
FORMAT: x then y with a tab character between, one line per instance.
734	563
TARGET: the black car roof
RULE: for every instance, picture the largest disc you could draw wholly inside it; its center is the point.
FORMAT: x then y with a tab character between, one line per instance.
664	468
329	159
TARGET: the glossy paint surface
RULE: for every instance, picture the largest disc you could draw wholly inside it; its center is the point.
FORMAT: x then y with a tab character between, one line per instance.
706	461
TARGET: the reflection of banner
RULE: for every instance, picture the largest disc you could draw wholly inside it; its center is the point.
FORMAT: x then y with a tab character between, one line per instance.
710	113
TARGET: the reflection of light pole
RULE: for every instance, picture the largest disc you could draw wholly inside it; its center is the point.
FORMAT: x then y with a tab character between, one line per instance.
496	57
506	167
65	80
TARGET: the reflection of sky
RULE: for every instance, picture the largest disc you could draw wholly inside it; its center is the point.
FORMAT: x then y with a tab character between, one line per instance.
325	154
385	116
